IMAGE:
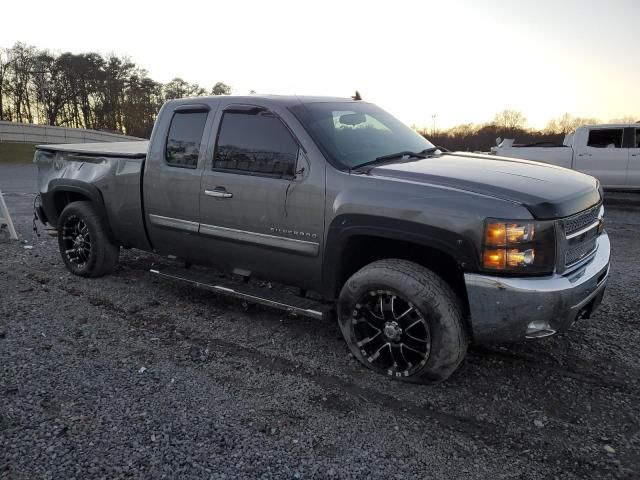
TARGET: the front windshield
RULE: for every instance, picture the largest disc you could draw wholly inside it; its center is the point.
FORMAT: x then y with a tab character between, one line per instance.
352	133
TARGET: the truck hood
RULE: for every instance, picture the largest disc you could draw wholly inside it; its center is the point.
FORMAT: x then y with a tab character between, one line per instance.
547	191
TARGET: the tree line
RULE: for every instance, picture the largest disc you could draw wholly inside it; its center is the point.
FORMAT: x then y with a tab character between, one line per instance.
112	93
85	90
509	124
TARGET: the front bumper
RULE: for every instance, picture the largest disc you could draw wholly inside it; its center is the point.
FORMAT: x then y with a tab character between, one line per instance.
502	308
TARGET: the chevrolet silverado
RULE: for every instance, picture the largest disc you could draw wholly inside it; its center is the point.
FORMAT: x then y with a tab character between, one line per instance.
416	250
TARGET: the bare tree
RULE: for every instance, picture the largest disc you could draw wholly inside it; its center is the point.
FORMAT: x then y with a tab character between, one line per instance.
4	71
567	123
626	119
510	120
471	137
20	62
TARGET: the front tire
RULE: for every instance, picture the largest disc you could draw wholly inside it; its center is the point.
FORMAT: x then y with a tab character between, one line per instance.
84	244
402	320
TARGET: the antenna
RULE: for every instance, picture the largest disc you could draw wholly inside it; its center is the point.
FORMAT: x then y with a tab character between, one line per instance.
357	96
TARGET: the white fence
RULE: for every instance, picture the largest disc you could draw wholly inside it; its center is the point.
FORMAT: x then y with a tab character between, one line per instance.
40	134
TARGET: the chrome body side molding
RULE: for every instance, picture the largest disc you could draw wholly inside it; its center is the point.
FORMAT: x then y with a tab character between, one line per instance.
302	247
174	223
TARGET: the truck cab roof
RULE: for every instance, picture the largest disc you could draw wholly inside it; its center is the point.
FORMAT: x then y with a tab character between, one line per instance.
267	100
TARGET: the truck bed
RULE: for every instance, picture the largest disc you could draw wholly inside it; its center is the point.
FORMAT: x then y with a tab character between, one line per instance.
108	173
136	149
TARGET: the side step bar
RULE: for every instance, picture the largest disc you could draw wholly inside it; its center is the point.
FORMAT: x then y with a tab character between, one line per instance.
283	301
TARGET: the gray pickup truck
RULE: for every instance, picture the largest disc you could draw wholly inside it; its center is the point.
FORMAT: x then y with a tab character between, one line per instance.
418	251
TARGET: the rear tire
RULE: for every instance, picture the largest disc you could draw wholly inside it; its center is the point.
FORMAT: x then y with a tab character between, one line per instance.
84	243
402	320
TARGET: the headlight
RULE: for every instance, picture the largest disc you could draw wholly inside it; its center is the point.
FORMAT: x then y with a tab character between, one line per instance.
519	246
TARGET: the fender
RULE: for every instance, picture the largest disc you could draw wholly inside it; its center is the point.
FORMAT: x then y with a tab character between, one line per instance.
347	226
67	185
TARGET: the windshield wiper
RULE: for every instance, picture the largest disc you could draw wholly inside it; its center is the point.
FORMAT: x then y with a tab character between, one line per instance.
432	150
392	157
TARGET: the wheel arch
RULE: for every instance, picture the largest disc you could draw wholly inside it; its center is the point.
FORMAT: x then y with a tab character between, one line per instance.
62	192
354	241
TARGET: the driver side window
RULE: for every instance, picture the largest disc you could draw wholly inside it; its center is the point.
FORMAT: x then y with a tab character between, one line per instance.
255	144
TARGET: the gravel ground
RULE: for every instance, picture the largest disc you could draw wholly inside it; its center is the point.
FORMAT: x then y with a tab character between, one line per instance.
129	376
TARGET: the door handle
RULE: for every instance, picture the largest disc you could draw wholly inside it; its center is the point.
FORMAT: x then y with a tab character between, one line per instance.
635	154
584	154
218	192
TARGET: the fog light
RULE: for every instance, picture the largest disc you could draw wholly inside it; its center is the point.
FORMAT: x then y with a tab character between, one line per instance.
539	329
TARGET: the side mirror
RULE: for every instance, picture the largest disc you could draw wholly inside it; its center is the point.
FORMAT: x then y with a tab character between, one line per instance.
302	166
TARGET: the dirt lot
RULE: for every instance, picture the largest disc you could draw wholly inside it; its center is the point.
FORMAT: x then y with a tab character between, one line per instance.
129	377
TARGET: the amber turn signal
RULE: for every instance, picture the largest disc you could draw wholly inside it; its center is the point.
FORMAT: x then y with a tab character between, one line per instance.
495	259
500	234
495	234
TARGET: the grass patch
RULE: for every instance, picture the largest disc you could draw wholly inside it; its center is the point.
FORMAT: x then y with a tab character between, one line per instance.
11	152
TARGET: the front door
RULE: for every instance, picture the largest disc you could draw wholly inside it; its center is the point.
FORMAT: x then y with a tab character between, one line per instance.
261	203
633	172
604	156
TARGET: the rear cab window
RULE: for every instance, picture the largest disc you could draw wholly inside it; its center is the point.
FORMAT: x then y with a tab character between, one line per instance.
255	143
184	139
605	138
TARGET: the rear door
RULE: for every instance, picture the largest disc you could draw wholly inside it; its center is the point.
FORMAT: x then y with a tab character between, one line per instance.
633	173
604	156
261	203
172	180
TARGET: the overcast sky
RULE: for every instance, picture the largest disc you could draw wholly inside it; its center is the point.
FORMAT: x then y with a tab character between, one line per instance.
461	60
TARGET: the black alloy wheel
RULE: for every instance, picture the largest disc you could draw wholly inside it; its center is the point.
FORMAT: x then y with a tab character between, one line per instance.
403	320
391	333
85	244
76	241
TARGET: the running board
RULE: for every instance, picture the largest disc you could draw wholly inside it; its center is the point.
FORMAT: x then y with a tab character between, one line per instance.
283	301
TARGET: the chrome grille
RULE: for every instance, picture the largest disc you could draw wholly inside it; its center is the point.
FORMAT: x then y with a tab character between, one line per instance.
580	244
580	220
577	253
